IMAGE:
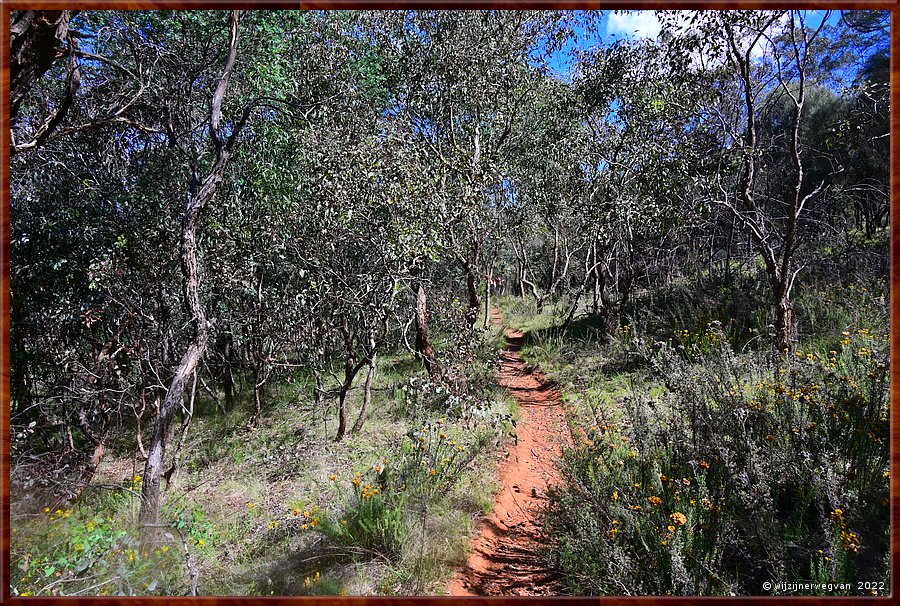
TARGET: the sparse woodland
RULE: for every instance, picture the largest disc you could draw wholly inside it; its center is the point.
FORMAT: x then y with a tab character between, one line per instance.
254	256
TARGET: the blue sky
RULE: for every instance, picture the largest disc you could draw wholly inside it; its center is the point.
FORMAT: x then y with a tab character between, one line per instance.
617	25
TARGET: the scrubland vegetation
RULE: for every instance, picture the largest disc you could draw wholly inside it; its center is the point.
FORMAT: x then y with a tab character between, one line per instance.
254	257
703	455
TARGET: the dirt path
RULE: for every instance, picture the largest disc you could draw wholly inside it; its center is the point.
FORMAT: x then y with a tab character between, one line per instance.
504	558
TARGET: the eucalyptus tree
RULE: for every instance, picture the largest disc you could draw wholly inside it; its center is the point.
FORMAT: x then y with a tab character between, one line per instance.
863	142
186	113
643	152
200	193
545	184
760	56
467	78
339	189
87	195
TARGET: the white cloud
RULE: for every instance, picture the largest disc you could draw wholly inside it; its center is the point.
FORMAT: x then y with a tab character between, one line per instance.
642	24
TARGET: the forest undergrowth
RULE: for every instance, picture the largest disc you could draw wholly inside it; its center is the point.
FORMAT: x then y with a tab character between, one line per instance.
283	509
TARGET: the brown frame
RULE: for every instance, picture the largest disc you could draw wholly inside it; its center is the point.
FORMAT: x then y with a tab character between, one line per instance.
892	5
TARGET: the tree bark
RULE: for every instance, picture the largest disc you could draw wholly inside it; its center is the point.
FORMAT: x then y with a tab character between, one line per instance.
225	348
487	296
351	369
349	360
472	288
36	42
424	348
784	324
367	393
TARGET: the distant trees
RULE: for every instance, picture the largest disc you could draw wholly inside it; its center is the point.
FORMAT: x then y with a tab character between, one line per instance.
644	151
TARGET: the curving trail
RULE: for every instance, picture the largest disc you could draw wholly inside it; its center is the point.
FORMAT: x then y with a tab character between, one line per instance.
504	558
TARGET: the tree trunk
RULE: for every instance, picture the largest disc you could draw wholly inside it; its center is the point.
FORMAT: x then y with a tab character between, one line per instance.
320	389
472	288
349	359
153	470
424	347
188	415
487	297
226	353
99	441
191	275
138	417
342	412
37	39
258	383
784	317
367	395
598	282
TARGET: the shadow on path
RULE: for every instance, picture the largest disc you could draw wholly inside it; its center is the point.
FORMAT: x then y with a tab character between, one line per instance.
505	559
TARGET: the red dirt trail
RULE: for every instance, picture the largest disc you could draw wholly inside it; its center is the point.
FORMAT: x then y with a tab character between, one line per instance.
504	558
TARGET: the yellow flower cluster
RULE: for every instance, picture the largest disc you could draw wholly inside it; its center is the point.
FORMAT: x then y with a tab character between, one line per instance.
678	518
850	541
59	513
309	519
712	506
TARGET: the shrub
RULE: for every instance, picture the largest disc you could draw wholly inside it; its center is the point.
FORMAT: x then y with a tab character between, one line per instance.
84	549
748	469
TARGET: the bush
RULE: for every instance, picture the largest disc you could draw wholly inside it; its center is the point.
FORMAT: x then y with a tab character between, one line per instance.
412	509
748	469
85	550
